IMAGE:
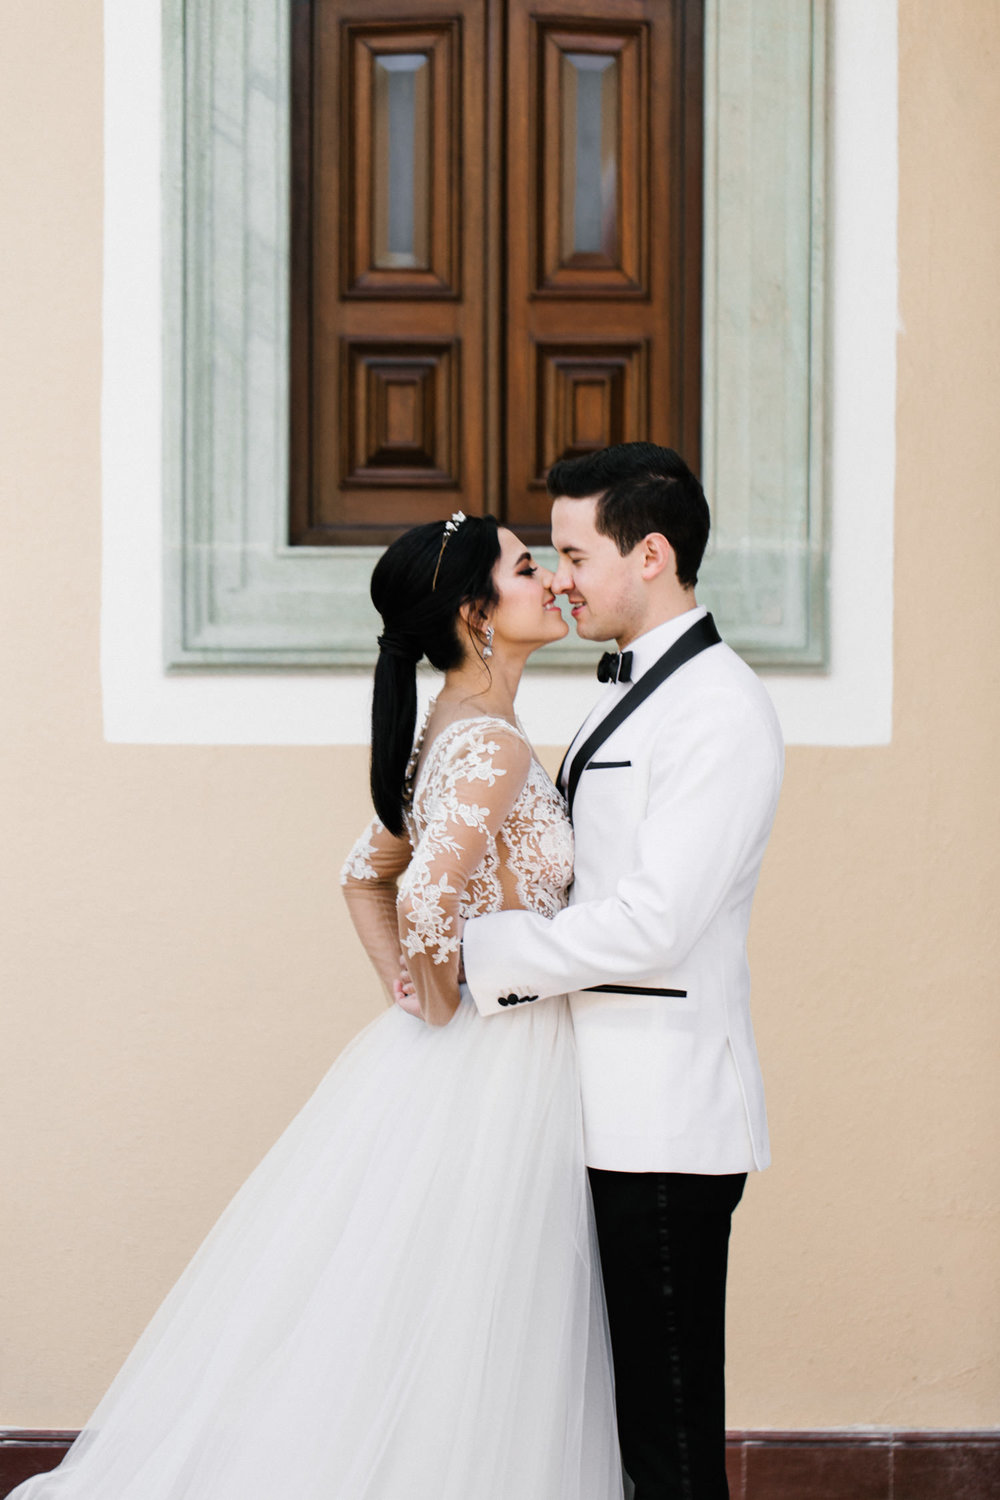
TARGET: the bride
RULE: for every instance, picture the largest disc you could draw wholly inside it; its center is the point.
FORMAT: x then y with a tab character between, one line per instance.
404	1302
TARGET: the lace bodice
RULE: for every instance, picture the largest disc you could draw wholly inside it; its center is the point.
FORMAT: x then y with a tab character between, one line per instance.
486	831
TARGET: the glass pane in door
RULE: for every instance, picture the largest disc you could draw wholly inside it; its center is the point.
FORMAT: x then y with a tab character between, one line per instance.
590	154
401	153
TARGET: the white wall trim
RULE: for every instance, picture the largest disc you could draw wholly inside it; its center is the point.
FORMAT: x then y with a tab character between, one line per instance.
143	704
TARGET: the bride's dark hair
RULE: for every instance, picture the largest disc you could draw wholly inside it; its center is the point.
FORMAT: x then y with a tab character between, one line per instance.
418	588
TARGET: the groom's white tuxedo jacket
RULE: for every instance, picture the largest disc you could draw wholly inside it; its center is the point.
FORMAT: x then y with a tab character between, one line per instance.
671	816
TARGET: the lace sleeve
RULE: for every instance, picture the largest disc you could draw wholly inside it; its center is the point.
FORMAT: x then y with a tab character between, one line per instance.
474	792
369	879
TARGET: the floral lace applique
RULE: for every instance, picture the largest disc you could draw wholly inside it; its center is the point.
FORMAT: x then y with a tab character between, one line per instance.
438	813
540	847
534	841
485	830
359	863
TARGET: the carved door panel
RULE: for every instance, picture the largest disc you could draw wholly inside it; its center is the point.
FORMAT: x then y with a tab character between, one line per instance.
605	235
388	241
496	251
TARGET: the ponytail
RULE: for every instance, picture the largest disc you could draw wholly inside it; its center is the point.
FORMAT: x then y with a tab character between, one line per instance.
419	584
394	721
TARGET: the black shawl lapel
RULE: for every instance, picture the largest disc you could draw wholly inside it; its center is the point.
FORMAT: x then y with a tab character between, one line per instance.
701	635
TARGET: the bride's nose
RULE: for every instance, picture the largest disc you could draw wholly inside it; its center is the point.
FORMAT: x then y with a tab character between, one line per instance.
546	578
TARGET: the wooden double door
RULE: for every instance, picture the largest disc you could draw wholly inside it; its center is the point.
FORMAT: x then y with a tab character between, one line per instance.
496	255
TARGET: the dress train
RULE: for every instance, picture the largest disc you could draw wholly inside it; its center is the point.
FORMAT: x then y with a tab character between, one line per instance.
403	1301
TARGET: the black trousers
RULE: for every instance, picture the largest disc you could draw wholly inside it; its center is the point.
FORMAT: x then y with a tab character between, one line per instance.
664	1239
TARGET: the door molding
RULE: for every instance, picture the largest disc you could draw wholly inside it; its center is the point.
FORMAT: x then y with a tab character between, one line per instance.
236	593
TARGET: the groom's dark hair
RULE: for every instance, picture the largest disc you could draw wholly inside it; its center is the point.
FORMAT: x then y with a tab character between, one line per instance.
640	488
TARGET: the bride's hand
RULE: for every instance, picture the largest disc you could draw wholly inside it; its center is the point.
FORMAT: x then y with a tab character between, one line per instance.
404	993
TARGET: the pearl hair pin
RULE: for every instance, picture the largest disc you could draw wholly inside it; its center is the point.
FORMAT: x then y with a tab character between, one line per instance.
450	527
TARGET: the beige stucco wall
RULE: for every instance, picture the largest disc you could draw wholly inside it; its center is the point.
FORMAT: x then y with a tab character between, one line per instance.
176	968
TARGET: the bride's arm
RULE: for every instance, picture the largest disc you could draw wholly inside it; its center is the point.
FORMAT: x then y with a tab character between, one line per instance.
369	879
481	782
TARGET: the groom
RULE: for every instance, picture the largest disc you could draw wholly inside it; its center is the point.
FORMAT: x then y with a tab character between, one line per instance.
672	784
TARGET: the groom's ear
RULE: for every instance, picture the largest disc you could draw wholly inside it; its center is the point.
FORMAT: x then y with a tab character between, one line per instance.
657	556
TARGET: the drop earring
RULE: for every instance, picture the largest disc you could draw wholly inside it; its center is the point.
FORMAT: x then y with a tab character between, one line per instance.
488	648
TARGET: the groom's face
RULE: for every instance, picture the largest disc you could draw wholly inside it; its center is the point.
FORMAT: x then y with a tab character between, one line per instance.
602	586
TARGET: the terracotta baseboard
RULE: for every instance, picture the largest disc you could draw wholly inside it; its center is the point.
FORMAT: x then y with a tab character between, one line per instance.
25	1453
865	1464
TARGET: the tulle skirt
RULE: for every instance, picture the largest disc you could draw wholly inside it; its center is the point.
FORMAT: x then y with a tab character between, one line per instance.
403	1302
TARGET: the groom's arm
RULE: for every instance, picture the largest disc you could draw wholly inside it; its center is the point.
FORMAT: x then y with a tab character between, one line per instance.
713	790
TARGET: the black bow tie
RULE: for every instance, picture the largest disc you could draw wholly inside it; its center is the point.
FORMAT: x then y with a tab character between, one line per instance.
615	668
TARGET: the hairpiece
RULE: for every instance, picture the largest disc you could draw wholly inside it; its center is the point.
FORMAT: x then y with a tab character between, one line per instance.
450	527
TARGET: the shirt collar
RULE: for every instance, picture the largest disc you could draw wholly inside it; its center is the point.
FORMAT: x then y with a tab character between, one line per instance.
648	648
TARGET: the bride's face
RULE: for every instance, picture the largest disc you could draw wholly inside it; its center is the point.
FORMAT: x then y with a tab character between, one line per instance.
528	614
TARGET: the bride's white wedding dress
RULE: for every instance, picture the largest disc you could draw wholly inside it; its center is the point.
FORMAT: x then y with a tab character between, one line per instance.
403	1302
